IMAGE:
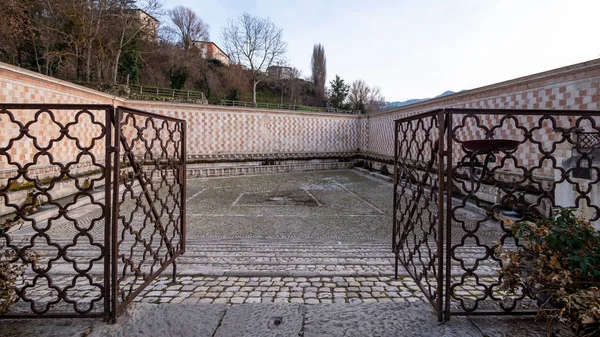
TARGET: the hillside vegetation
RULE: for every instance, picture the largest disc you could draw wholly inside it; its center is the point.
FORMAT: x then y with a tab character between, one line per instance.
106	43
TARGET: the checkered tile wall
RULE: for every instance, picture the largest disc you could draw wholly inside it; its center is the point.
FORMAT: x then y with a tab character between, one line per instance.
578	89
226	130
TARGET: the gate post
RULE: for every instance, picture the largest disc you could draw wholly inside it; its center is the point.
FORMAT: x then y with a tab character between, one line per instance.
448	216
114	249
108	170
442	128
395	211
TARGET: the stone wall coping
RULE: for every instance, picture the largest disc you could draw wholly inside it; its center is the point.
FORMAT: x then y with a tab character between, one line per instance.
450	100
431	104
117	100
237	109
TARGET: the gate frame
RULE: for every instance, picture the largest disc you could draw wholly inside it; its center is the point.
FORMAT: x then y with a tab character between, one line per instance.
108	111
112	146
121	144
445	209
442	121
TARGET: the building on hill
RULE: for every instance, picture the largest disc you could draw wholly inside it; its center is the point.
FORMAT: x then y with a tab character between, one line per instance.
281	72
149	22
210	51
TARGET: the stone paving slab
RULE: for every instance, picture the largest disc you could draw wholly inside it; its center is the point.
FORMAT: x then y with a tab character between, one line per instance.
141	319
199	320
519	326
377	319
382	319
345	205
263	320
61	327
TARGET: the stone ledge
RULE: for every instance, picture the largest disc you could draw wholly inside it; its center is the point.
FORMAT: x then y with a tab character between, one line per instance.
380	158
204	172
249	157
375	174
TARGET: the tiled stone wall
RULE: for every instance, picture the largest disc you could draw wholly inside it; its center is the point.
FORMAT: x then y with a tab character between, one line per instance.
229	130
211	129
21	86
575	87
215	130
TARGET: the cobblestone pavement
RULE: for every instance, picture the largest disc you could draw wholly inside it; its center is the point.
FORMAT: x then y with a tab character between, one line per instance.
238	290
316	237
312	290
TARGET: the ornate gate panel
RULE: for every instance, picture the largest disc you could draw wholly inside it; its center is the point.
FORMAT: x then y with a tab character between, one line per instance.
55	161
418	196
149	202
92	206
463	177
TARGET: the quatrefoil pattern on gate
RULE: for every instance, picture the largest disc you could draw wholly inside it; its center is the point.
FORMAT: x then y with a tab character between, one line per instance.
150	201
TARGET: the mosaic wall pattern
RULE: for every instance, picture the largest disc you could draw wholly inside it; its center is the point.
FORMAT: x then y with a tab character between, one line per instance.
215	130
221	130
578	90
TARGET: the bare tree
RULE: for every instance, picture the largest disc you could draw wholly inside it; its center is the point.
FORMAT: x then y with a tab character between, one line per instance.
375	101
134	22
319	71
359	92
255	43
78	25
14	32
189	26
364	98
92	15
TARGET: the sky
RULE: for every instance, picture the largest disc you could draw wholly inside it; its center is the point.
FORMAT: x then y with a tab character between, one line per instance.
419	49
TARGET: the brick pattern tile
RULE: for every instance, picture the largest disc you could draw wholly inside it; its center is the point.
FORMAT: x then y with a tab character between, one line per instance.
213	130
225	130
575	94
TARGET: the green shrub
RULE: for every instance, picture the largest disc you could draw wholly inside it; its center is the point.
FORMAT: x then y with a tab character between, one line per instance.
559	263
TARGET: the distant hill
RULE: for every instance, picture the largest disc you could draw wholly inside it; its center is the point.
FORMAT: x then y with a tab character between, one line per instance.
417	100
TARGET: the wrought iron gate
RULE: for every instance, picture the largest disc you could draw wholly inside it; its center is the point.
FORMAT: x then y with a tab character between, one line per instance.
93	199
456	170
418	194
149	201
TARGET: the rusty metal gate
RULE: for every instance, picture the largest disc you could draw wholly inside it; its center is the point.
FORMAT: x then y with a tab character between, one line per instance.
460	172
149	201
418	194
92	202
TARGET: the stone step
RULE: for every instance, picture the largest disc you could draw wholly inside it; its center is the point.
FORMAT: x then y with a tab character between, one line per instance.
270	258
257	261
245	260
